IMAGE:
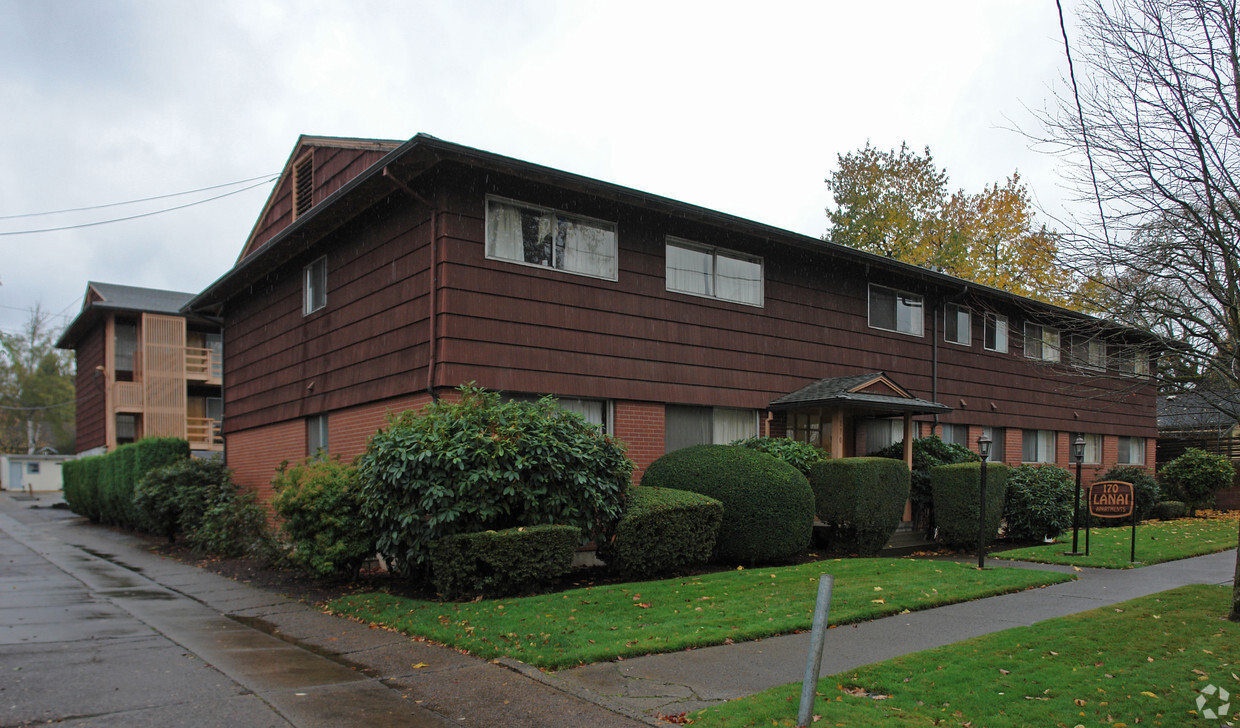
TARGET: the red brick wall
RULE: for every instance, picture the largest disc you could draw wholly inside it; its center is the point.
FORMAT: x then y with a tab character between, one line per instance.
254	455
348	430
639	425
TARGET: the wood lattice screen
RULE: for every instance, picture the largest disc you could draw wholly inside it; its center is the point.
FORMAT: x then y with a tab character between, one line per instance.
163	375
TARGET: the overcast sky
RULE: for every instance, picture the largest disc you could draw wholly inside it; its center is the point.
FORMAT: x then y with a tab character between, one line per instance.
737	107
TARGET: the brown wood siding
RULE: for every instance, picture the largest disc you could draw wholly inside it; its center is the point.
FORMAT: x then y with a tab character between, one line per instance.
369	342
521	328
333	167
91	386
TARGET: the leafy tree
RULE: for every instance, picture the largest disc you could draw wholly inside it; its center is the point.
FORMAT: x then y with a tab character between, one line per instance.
36	389
896	204
1196	476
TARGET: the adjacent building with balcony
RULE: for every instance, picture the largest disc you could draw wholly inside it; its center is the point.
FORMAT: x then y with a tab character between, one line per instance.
144	369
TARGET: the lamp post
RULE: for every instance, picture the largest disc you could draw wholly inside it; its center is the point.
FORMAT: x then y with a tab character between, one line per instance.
1078	454
983	449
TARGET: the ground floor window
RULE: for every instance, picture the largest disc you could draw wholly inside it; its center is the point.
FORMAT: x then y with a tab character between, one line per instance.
1037	446
1093	447
685	426
316	434
998	438
1131	451
810	427
955	434
126	428
882	433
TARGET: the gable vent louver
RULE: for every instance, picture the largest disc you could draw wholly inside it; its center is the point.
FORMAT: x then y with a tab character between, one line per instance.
303	185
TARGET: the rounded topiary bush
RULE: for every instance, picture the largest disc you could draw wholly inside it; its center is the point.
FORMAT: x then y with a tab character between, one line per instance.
475	463
1038	502
928	452
1170	510
768	506
957	496
860	500
497	563
662	530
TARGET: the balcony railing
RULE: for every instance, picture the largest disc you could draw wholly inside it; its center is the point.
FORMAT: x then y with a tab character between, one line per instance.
203	433
203	365
128	396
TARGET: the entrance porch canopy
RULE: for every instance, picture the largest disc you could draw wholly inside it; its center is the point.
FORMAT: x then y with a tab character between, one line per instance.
867	395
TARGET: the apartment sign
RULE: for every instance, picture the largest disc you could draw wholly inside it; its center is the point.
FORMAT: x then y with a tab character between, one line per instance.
1111	499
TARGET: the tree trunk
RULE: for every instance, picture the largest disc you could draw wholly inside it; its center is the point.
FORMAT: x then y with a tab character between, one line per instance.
1235	590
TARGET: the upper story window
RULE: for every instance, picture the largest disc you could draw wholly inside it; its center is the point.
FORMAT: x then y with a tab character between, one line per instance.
1088	352
539	236
957	326
894	310
702	270
126	338
1131	360
996	333
1041	342
315	286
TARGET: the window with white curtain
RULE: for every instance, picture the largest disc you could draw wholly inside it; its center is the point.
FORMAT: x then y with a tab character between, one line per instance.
1037	446
955	434
1131	451
998	443
702	270
1089	352
684	426
1093	447
957	327
995	336
880	433
894	310
1041	342
316	435
593	411
532	235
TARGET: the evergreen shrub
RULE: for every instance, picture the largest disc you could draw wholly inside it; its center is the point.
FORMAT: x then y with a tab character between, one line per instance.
476	464
860	500
320	509
1038	502
1170	510
1195	476
957	491
928	452
768	506
208	509
496	563
662	530
800	455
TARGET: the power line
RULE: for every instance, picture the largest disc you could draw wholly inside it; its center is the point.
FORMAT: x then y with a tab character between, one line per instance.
134	217
264	178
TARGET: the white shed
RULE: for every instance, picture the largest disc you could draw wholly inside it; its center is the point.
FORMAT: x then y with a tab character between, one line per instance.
37	473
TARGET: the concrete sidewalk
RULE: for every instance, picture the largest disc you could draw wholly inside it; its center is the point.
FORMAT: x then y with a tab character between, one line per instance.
95	630
687	681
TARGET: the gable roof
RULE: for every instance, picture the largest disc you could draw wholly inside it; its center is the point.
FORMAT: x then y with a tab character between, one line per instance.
872	391
1197	411
422	152
112	297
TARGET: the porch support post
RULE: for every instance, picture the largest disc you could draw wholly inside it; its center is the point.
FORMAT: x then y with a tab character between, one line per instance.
908	440
837	433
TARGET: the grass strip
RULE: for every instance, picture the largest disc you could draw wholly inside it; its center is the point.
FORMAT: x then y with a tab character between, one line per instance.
1142	662
606	622
1157	541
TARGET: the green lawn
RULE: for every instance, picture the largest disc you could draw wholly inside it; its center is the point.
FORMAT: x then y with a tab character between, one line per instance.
1142	662
599	623
1157	541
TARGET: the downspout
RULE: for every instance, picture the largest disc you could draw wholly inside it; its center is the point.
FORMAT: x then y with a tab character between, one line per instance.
431	348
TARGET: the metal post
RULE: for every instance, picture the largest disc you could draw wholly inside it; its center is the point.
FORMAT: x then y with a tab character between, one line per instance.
1088	520
813	663
1132	558
1076	509
981	521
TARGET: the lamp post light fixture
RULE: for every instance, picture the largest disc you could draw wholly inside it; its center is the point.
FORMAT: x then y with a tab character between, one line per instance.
983	449
1078	454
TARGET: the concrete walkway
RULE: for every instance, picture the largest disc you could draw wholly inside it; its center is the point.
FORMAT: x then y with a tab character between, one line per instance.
687	681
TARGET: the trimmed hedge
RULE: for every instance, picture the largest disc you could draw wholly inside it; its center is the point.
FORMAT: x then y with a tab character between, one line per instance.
101	487
957	491
81	486
1038	502
496	563
662	530
928	452
1170	510
768	506
860	500
321	512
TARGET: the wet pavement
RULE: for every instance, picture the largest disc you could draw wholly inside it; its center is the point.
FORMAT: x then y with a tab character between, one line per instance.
97	631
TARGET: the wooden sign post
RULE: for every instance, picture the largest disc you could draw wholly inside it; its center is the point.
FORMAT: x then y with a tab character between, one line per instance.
1115	499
